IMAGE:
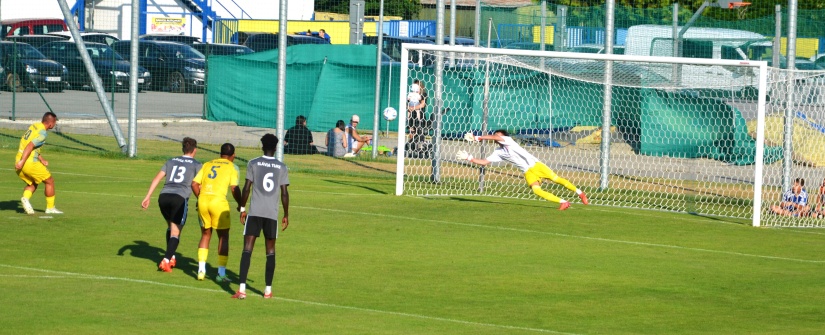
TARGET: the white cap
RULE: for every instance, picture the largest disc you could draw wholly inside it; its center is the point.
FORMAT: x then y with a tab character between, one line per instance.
355	118
415	88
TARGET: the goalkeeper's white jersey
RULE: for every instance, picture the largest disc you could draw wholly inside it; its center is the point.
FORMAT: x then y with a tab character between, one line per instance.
512	152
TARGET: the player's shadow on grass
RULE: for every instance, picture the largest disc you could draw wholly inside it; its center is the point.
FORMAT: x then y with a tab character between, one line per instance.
356	184
187	265
537	205
11	205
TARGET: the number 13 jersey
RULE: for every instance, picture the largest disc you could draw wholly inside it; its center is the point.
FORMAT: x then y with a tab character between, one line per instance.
179	174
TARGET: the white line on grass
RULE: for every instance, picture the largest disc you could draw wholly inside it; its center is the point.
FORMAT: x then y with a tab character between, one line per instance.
64	274
83	175
568	235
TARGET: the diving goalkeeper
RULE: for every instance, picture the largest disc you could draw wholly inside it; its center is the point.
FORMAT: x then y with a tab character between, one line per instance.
534	170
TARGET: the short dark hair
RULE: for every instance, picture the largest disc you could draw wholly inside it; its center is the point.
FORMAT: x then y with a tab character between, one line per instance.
269	142
189	145
340	124
801	181
502	131
47	115
227	149
300	120
324	30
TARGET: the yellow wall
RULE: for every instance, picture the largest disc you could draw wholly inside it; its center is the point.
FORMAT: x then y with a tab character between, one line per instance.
805	47
338	30
548	34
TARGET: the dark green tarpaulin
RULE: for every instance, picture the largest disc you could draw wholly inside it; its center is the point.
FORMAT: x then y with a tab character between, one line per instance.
326	83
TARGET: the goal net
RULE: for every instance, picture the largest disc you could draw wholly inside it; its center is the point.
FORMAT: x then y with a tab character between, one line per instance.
657	133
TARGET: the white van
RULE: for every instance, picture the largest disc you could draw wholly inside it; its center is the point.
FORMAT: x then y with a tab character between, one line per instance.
711	43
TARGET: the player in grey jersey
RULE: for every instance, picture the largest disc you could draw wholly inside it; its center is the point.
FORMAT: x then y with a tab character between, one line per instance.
174	197
268	179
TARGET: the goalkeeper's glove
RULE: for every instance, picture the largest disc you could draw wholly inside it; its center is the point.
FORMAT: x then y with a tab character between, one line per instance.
463	155
470	138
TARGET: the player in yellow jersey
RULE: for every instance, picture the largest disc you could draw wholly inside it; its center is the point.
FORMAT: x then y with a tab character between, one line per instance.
31	166
210	186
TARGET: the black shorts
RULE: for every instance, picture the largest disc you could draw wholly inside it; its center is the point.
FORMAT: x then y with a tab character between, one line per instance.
254	225
173	207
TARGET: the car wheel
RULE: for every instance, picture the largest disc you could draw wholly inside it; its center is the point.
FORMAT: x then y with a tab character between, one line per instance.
177	83
14	83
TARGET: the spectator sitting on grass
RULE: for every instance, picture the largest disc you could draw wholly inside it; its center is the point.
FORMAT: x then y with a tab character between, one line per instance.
298	139
794	201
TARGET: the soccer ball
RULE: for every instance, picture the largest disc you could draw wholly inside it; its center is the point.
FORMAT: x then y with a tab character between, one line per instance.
390	114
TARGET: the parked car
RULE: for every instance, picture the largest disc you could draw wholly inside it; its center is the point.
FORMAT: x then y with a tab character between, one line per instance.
17	27
222	49
392	46
27	67
819	60
171	38
528	46
95	37
269	41
110	66
596	49
174	66
34	40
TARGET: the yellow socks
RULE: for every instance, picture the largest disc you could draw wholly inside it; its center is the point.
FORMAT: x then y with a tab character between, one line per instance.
547	195
50	202
27	194
563	182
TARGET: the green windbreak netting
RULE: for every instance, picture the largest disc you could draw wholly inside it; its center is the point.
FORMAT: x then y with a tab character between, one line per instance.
325	83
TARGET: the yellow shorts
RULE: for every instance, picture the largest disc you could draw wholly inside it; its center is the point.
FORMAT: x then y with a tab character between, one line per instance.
34	173
213	213
537	172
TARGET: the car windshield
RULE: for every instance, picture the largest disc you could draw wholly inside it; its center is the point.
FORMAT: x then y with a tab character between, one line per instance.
182	51
102	52
23	51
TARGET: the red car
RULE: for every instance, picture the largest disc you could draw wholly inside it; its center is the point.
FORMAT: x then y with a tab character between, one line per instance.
19	27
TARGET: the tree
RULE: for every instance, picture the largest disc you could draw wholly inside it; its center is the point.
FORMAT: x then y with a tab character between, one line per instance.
403	8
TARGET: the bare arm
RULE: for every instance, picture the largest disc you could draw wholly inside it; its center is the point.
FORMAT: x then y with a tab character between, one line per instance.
26	153
236	193
196	188
155	182
285	203
359	138
244	198
489	138
479	161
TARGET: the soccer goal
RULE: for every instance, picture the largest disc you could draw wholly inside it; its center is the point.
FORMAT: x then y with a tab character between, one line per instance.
628	130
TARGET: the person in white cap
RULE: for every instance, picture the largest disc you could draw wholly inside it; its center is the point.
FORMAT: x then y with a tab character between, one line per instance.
355	141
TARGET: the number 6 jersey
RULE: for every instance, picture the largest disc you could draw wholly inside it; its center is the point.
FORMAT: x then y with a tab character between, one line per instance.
267	174
179	173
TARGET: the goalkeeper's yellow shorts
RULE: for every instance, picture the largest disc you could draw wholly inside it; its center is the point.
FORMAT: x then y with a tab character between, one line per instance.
34	173
537	172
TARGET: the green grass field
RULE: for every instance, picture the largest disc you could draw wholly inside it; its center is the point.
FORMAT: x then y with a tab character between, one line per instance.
357	259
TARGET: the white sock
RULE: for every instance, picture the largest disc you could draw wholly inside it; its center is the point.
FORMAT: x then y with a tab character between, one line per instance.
166	260
268	290
201	266
221	271
578	191
242	288
562	201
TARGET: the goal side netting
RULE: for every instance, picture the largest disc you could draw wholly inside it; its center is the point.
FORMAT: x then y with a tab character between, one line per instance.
659	133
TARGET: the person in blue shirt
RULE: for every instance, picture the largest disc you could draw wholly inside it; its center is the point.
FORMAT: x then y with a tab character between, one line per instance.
794	201
323	34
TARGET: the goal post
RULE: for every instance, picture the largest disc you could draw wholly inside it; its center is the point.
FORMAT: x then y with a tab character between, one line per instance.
678	144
